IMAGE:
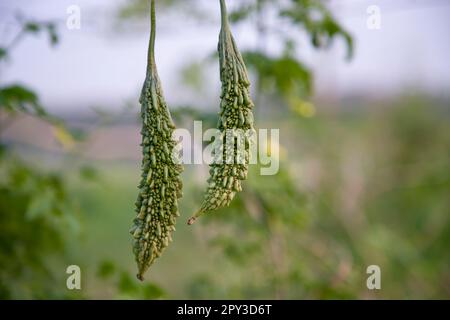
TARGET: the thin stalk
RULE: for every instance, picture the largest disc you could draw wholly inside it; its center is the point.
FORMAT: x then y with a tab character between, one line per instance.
151	46
223	14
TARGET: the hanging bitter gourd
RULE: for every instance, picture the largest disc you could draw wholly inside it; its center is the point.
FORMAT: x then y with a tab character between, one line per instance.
236	118
160	185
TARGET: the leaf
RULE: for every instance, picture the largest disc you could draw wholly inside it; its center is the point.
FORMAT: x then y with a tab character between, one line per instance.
17	93
319	23
19	98
286	74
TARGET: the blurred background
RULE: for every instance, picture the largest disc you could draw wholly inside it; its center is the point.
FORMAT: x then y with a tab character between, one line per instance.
359	90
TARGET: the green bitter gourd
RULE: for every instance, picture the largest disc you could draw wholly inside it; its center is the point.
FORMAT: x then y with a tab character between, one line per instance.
160	186
235	115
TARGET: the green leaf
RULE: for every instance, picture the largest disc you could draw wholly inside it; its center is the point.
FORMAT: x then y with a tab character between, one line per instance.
319	23
286	74
19	98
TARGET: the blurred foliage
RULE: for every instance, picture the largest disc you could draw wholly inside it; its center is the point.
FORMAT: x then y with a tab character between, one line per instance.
318	22
16	98
354	189
37	217
284	75
140	9
376	195
37	213
30	27
251	234
126	284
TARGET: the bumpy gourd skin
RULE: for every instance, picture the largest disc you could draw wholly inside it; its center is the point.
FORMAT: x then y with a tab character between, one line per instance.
160	186
235	113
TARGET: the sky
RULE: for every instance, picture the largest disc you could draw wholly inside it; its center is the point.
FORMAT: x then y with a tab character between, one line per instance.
100	65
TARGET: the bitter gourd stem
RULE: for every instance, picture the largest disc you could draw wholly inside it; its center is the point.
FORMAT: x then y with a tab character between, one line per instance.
151	46
223	14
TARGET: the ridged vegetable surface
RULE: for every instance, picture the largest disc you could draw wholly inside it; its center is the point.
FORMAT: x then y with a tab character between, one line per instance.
160	186
235	117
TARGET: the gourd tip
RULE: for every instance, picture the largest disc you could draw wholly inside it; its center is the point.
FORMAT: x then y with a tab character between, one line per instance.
191	220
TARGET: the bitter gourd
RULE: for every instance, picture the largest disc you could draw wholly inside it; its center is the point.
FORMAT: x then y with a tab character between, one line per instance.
235	117
160	186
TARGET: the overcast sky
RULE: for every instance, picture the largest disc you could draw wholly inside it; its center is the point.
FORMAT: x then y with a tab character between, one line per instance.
99	66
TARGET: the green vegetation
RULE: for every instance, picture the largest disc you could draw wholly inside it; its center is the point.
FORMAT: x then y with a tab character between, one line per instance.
367	184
